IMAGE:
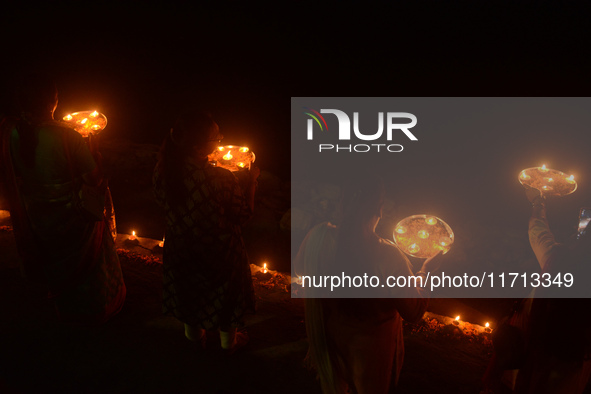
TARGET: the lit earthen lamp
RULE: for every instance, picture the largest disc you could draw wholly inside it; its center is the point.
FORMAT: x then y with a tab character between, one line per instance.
86	122
423	236
549	182
89	123
232	157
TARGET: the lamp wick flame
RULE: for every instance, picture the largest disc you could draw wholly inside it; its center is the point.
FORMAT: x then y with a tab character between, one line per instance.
458	318
544	167
228	156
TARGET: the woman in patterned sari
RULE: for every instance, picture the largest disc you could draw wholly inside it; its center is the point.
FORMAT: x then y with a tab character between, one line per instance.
43	164
207	280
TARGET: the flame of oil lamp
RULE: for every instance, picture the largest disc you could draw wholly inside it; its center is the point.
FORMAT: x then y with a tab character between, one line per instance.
161	243
423	236
232	157
86	122
265	270
228	156
132	237
487	327
457	320
431	221
548	181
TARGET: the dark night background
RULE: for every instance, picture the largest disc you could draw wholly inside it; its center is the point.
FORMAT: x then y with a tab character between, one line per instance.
141	64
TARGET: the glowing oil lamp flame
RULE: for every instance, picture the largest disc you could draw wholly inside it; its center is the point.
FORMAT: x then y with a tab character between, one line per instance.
547	180
486	325
86	122
414	248
161	243
457	320
423	234
265	270
232	157
431	221
132	237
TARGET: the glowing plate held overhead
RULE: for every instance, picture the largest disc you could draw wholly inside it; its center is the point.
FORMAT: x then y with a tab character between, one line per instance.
232	157
86	122
423	236
549	182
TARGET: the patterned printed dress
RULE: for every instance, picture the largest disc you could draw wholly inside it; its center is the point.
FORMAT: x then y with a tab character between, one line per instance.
206	273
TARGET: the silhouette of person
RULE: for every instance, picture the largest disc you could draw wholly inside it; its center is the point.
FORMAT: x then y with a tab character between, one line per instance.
356	344
44	164
207	279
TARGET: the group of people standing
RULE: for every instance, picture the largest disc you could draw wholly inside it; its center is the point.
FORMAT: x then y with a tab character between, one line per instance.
44	168
356	345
